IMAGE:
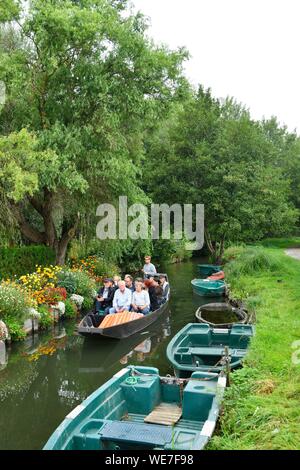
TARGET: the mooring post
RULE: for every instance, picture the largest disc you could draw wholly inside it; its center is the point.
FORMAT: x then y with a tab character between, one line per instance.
227	365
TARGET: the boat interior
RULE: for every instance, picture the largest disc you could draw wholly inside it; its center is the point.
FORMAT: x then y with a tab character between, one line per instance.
203	346
144	411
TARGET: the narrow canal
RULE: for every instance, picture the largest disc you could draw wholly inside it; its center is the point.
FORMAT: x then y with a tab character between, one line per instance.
48	375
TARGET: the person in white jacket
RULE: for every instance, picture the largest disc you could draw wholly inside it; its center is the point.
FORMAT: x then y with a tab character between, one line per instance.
122	299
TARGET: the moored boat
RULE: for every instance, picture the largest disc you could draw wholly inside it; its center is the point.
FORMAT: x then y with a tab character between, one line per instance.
219	276
207	288
221	315
199	347
121	327
138	409
208	269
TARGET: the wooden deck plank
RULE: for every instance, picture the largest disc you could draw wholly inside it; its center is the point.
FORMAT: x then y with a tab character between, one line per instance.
166	413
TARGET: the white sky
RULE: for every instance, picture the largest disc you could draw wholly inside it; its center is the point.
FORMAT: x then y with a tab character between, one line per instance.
248	49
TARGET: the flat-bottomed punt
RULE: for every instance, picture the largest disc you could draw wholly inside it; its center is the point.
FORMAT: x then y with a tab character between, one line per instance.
138	409
199	347
123	330
207	288
208	269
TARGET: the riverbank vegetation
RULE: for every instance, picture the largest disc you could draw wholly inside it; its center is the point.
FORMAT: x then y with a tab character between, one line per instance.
51	292
261	407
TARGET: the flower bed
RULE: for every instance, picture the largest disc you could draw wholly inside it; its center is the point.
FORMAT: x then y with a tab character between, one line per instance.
49	293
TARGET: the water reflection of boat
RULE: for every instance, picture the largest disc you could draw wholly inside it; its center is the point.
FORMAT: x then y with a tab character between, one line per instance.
98	357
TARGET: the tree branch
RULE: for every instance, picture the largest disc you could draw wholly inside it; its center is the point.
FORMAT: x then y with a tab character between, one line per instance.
27	230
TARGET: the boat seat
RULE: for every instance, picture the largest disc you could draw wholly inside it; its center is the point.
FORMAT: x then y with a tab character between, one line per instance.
218	351
137	433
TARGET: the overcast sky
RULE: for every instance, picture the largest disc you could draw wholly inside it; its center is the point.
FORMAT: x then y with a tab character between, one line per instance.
248	49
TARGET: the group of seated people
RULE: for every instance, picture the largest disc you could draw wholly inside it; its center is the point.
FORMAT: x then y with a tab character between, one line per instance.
142	295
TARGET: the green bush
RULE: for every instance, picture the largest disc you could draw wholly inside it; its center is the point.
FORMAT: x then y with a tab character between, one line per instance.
232	253
105	268
15	328
78	282
46	319
173	251
15	262
14	303
71	309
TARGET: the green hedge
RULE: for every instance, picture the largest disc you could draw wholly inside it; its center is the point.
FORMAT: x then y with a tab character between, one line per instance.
23	260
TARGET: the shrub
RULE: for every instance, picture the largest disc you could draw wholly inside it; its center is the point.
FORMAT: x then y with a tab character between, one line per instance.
15	302
232	253
39	282
71	309
54	295
15	328
96	267
46	319
21	260
105	268
80	283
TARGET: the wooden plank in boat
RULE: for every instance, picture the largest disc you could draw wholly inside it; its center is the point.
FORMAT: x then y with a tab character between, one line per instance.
166	413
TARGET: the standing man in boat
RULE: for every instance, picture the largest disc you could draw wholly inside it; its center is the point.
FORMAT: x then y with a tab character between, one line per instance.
122	299
149	268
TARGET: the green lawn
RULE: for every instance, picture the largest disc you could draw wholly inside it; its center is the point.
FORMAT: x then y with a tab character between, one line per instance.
262	407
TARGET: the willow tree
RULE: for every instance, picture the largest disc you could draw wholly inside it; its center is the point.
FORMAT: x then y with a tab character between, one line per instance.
83	82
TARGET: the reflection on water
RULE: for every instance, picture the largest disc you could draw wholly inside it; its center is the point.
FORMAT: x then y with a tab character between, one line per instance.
49	374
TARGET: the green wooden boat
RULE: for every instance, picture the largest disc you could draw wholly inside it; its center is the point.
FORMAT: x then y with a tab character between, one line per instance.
207	288
199	347
208	269
138	409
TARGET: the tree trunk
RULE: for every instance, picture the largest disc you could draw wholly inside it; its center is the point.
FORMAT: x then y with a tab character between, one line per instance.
216	249
61	252
49	236
61	246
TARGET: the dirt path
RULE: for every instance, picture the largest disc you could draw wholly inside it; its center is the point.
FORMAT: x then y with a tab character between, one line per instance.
293	252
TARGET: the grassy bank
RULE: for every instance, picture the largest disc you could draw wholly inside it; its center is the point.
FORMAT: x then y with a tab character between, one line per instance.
261	409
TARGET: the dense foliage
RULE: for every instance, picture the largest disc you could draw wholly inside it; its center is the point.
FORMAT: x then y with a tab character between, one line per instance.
94	110
213	153
83	82
21	260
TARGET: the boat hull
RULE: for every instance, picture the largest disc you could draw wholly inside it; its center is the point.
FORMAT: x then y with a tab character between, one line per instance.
221	309
137	409
199	347
126	329
207	288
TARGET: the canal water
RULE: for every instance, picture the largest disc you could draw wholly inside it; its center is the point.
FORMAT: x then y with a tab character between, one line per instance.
49	374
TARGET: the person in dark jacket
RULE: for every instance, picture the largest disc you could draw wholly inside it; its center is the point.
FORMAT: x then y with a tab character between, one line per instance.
105	297
165	287
155	293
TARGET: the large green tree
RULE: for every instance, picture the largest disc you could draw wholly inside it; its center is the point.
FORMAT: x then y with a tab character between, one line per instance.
213	153
83	83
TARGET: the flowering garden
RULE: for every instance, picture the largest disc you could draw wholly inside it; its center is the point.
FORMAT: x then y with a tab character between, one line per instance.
50	293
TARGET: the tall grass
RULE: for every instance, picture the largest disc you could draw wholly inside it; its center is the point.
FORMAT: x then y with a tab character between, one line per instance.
251	260
261	407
